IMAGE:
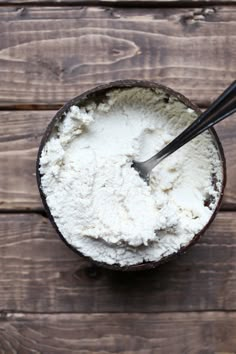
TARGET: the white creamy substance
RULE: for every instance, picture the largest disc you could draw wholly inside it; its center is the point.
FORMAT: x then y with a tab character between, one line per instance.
101	205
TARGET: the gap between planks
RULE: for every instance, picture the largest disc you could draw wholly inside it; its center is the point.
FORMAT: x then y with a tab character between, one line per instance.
31	107
38	211
119	4
54	107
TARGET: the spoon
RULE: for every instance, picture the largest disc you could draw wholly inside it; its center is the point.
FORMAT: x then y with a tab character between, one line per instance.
222	107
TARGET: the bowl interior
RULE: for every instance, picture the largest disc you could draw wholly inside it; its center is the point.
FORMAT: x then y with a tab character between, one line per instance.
97	95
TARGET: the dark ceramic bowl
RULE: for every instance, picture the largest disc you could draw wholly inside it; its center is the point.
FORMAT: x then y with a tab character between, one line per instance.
96	95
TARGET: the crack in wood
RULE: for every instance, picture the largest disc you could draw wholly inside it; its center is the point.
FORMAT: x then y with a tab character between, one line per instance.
119	3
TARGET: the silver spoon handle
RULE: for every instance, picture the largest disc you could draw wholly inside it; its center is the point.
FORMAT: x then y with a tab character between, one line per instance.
221	108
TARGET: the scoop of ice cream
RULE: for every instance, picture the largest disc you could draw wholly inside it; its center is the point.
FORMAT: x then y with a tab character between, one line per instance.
101	205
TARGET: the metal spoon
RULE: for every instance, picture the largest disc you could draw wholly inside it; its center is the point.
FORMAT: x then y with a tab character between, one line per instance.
222	107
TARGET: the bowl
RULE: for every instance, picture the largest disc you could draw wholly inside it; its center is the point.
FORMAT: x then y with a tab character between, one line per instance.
97	94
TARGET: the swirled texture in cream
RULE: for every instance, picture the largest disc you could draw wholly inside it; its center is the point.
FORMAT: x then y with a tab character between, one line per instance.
101	205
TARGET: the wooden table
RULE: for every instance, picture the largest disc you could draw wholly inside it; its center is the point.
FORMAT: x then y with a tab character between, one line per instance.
52	301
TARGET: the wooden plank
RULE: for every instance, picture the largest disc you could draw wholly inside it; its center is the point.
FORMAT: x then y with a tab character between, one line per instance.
40	274
119	333
48	55
20	134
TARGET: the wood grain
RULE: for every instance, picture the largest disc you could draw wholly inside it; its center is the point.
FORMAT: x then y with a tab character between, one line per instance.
48	55
20	134
119	333
39	273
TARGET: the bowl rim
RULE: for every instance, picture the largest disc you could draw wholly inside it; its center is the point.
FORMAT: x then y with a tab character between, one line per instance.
101	90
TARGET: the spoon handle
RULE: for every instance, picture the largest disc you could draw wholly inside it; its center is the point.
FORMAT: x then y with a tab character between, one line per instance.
221	108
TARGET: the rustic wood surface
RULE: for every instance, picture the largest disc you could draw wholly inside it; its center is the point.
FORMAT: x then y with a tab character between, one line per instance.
51	300
186	333
48	55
